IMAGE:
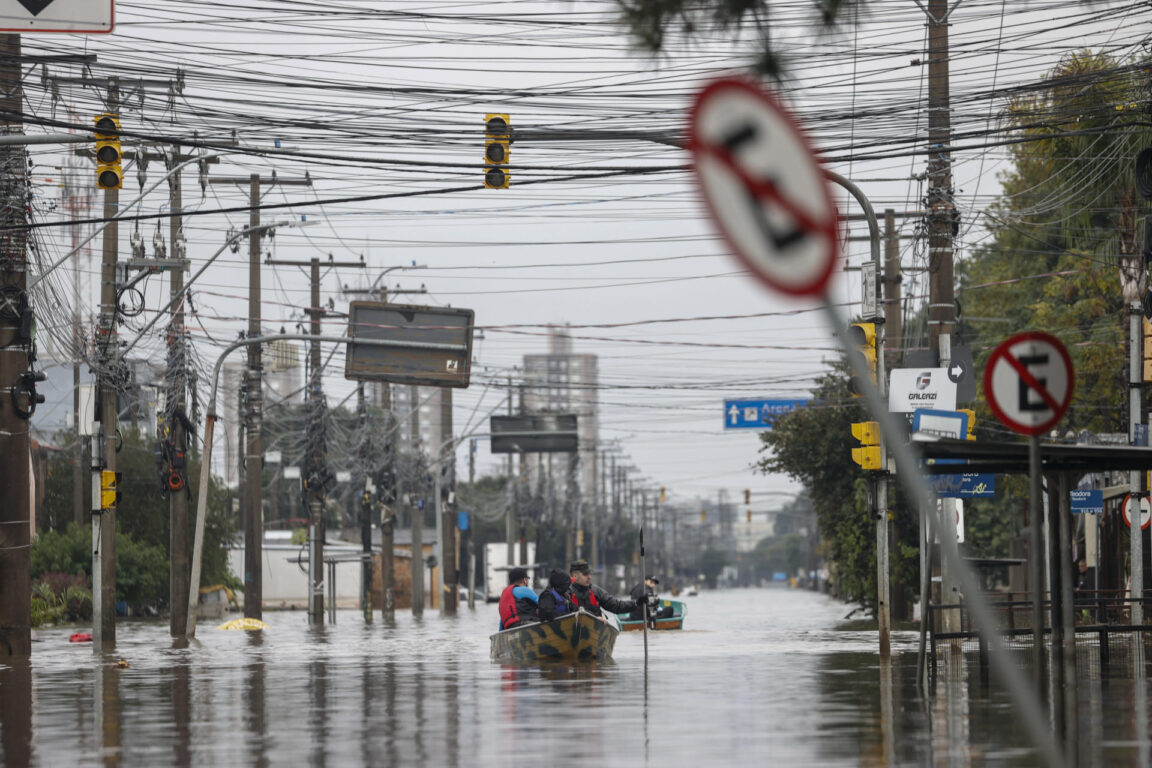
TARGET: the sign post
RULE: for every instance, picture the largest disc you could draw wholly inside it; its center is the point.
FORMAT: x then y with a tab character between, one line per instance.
769	199
1028	381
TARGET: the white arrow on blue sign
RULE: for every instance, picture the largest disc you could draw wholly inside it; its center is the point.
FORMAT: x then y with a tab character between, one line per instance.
757	414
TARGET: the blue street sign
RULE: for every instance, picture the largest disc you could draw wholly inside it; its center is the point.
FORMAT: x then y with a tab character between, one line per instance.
757	414
1140	434
1087	502
462	520
970	485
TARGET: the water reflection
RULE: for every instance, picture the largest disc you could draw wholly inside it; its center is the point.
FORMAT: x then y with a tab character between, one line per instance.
780	687
16	712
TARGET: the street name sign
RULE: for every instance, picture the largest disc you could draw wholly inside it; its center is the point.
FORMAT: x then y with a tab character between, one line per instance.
757	414
425	345
913	389
1145	511
71	16
967	485
763	186
1086	502
1028	381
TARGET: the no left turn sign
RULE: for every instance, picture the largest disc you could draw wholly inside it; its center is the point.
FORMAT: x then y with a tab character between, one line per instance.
1028	382
764	187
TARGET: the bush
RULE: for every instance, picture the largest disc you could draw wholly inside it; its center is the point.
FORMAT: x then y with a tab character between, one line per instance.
141	569
59	597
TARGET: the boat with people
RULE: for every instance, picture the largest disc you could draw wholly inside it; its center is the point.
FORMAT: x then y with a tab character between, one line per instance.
668	615
574	637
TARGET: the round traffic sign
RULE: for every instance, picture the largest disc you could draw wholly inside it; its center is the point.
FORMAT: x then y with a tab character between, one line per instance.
763	186
1029	381
1145	511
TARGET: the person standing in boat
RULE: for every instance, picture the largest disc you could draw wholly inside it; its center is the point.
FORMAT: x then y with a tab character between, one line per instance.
554	598
594	600
518	602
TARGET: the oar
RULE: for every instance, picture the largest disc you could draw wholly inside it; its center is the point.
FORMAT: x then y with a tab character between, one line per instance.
644	597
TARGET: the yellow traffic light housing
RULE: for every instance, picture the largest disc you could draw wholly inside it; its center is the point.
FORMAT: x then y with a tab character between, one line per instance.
109	174
1147	326
971	422
703	516
109	489
749	516
497	151
862	343
868	455
747	497
663	495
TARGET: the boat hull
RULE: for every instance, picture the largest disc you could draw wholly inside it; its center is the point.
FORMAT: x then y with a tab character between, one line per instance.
575	637
675	621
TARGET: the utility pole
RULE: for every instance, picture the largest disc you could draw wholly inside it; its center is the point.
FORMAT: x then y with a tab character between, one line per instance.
366	495
253	500
513	488
416	505
108	369
449	594
317	473
15	532
943	219
388	512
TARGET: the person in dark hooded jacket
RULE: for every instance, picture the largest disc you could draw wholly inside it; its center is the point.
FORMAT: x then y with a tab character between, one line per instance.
554	598
594	600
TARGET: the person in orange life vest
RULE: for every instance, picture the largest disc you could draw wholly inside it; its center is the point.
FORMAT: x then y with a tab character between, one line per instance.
554	598
593	599
517	601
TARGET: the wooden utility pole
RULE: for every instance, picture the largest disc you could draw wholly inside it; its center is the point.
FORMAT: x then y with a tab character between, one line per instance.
317	475
15	514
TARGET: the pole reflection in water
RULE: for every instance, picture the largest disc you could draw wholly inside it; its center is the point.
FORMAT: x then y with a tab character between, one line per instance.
1140	701
318	674
181	714
16	712
255	706
107	720
887	720
452	712
950	712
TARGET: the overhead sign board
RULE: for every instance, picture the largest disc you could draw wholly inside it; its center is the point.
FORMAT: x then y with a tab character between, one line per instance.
535	433
425	345
953	424
757	414
764	187
913	389
72	16
1086	502
1028	381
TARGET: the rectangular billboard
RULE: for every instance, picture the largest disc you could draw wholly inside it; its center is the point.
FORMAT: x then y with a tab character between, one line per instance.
535	433
430	346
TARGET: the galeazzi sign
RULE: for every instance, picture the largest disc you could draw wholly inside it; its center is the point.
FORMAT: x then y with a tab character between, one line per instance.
912	389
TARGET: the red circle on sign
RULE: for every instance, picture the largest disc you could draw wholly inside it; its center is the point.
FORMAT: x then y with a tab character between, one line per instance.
1127	517
1002	352
826	228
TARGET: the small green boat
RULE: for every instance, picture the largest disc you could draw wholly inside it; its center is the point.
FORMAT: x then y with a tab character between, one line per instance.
574	637
673	621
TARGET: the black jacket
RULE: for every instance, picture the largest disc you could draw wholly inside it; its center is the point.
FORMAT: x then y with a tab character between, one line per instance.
582	597
550	607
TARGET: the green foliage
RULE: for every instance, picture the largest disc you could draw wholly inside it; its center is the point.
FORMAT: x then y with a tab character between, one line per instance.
54	605
141	568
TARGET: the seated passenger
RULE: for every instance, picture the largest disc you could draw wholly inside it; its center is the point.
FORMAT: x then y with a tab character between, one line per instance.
554	598
517	601
583	595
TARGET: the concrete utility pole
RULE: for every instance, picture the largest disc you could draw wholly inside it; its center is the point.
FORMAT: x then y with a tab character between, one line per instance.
416	504
253	499
104	521
943	220
317	473
15	531
445	497
513	489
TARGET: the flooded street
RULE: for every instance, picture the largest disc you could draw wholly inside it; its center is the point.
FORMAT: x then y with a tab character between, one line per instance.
758	677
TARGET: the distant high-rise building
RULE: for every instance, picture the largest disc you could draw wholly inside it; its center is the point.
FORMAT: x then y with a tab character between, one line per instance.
563	382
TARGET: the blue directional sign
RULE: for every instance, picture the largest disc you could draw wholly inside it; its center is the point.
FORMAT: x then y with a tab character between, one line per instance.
757	414
970	485
1089	502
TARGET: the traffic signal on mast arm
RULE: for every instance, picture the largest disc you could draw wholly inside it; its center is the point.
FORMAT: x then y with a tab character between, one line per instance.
497	151
109	175
747	497
663	494
868	454
862	342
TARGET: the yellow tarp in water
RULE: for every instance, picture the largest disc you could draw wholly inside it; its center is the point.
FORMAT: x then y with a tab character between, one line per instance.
243	624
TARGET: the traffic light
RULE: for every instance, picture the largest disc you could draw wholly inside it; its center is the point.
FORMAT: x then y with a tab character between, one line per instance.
862	342
109	489
663	495
749	515
497	151
703	516
747	497
868	455
109	175
1147	349
971	422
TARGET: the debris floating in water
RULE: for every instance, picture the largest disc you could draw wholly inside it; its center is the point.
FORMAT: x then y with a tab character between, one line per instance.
246	623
